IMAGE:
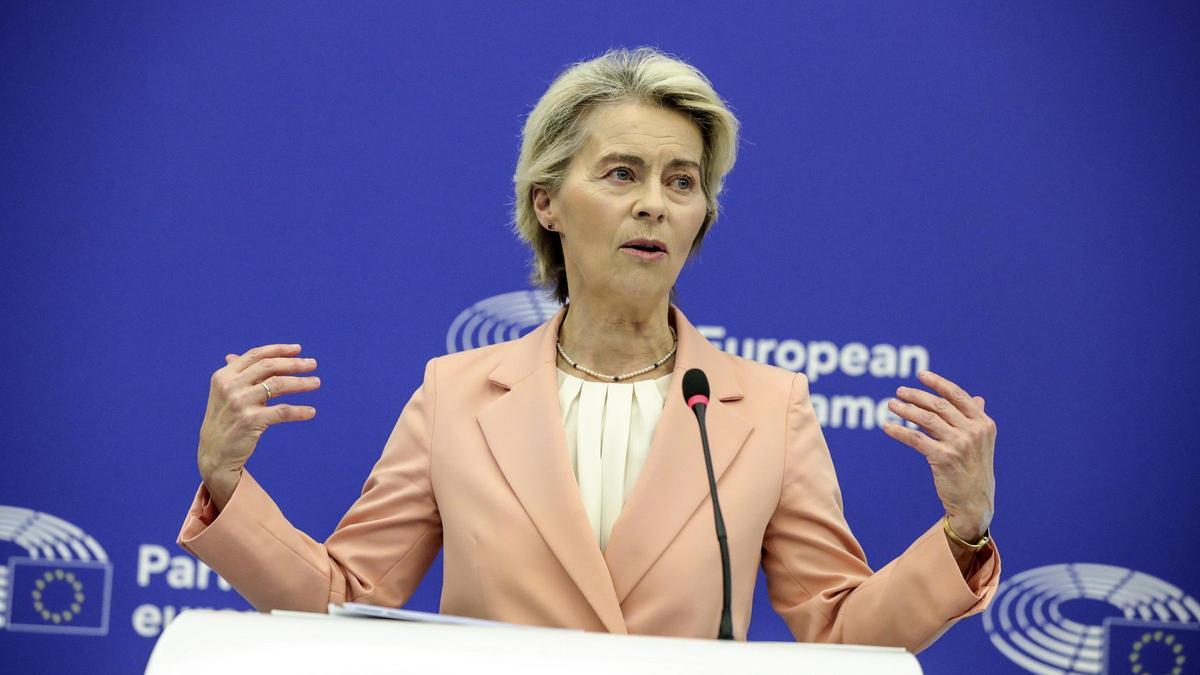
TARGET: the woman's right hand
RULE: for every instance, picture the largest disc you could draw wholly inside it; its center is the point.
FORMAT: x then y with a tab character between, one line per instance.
238	413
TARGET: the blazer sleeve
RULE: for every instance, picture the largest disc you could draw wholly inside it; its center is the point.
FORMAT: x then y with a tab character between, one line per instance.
378	553
817	575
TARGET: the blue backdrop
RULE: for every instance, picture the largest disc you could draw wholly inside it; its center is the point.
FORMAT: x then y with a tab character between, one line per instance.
1009	192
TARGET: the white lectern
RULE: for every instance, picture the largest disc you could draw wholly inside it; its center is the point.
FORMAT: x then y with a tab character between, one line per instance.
205	642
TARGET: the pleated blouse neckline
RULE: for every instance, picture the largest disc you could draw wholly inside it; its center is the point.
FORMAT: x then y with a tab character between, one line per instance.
608	428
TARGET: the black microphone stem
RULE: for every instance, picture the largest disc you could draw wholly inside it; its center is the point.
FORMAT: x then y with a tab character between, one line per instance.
726	630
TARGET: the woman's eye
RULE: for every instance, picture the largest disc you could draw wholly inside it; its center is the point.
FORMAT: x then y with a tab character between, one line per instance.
621	173
686	182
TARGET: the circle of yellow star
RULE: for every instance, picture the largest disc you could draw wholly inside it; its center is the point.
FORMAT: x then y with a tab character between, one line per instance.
1161	637
66	614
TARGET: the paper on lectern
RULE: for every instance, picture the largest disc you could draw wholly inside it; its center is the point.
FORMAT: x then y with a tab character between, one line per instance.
378	612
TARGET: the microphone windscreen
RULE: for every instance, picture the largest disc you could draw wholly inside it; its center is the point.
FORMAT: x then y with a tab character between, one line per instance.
694	383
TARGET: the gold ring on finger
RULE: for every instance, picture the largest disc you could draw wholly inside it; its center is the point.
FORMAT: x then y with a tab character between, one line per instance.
264	386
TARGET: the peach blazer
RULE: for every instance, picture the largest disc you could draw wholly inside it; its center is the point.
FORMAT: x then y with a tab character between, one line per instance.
477	464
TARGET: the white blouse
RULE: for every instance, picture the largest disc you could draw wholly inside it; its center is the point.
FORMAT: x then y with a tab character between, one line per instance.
608	427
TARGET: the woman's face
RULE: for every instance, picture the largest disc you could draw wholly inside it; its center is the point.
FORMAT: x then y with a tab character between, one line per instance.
631	204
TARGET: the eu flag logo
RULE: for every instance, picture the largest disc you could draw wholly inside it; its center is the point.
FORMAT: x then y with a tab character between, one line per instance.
59	596
1143	647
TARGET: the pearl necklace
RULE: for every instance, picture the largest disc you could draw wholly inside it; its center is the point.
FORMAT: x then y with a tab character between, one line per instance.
626	376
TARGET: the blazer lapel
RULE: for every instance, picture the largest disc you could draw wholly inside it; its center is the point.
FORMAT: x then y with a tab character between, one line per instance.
673	484
524	432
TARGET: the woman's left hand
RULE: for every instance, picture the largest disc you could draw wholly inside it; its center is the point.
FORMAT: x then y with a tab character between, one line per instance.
959	441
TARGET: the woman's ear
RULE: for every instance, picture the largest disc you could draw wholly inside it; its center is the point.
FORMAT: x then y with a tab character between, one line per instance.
542	207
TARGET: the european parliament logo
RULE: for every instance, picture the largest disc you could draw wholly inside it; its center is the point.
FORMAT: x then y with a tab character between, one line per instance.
64	582
1090	618
498	319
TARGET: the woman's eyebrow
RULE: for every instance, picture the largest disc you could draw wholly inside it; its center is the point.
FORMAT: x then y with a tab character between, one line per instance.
684	163
634	160
623	158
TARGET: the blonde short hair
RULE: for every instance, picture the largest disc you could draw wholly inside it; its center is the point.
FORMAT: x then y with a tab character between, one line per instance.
553	135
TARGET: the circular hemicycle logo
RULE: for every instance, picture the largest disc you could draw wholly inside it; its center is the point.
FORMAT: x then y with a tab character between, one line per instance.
63	582
498	319
1083	618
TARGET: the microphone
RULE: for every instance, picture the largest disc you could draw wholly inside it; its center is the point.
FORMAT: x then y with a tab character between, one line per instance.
695	392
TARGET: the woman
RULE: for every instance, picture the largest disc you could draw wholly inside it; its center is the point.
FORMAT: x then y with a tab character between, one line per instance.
562	472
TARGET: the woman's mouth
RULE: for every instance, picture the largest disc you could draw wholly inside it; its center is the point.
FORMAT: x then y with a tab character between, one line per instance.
645	249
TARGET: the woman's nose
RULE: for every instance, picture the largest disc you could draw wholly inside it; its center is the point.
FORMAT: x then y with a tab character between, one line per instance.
651	203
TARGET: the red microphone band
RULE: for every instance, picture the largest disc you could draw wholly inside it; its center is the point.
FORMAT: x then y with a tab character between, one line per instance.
696	399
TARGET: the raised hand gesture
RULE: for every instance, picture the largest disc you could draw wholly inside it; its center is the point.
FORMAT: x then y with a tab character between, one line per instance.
958	440
238	412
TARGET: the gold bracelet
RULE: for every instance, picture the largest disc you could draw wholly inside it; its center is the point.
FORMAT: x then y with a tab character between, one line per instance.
983	541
